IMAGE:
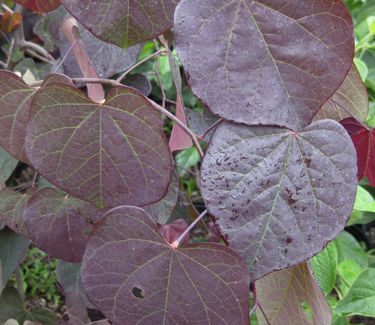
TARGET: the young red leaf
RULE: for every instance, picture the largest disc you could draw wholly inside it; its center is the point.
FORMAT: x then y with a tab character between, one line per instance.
364	142
110	154
279	196
12	205
152	283
351	99
292	296
124	23
39	6
60	225
266	61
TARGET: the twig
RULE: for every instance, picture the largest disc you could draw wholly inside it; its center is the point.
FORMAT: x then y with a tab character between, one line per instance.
36	48
203	135
122	77
65	57
38	56
19	281
178	241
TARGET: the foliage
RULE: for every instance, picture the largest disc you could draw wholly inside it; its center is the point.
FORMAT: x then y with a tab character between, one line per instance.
117	156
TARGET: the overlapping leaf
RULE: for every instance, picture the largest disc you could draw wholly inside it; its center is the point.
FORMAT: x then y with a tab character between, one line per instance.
7	166
60	225
364	142
264	62
154	283
110	154
292	296
124	23
349	100
278	195
12	205
39	5
15	98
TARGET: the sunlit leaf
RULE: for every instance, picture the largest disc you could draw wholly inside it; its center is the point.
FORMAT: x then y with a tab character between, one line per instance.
153	283
60	225
292	296
110	154
265	61
279	196
124	23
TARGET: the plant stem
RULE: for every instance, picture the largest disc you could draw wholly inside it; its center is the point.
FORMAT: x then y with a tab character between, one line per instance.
19	281
203	135
178	241
122	77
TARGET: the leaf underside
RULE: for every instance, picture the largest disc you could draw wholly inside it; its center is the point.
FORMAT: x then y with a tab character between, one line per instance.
278	195
270	62
110	154
153	283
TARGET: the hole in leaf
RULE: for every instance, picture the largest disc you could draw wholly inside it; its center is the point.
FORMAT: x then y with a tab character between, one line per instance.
307	310
138	293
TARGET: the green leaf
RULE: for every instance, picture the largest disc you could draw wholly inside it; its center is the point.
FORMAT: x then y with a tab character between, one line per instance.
186	159
349	271
349	248
371	24
364	208
362	68
324	266
360	299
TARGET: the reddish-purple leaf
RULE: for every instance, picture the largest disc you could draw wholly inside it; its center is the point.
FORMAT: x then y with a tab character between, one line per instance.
40	6
150	282
12	205
15	98
173	230
265	61
351	99
110	154
292	296
364	142
124	23
179	140
278	195
60	225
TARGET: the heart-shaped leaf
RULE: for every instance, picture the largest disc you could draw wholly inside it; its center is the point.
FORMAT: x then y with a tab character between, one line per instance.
292	296
153	283
278	195
60	225
364	142
262	61
108	154
12	205
40	6
15	98
351	99
124	23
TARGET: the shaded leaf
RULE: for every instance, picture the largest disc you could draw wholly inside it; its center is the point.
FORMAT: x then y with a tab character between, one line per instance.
12	205
60	225
360	300
324	266
39	5
110	154
352	96
264	62
15	98
200	123
364	142
153	283
279	196
292	296
349	248
138	81
7	166
124	23
13	250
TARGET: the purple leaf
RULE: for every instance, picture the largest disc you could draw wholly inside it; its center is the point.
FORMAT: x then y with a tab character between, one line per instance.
266	61
124	23
110	154
279	196
60	225
174	230
153	283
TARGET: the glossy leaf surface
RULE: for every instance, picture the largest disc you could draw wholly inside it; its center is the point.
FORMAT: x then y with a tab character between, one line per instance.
110	154
124	23
15	98
40	6
153	283
278	195
292	296
60	225
364	142
351	99
264	61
